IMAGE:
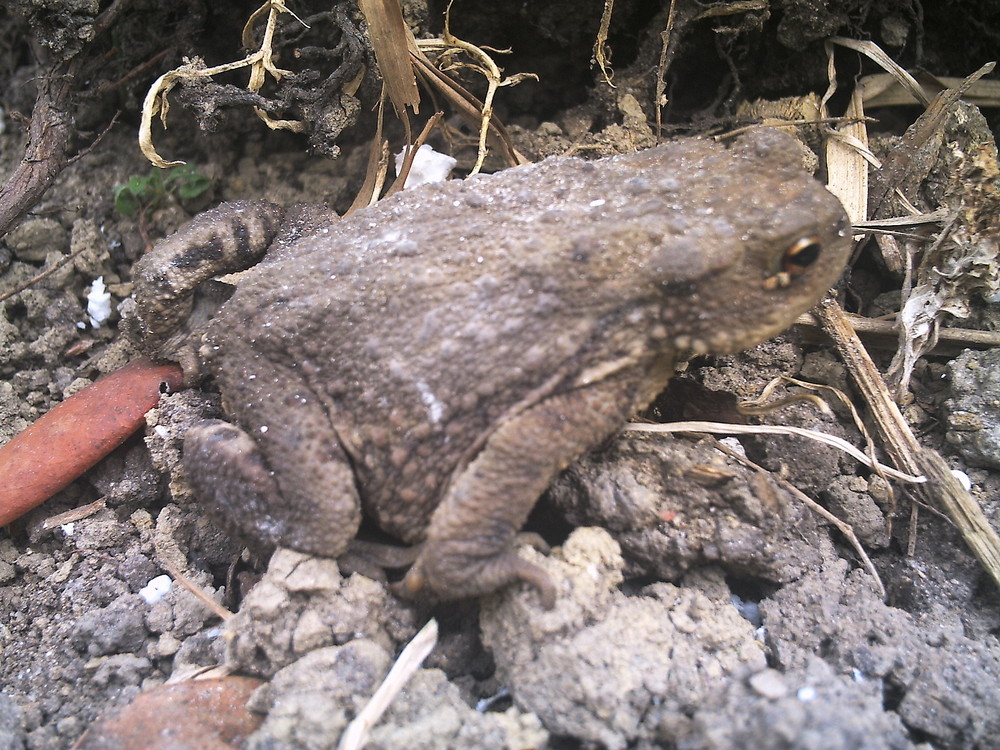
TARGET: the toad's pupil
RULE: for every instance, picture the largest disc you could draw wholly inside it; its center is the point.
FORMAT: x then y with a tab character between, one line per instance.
801	255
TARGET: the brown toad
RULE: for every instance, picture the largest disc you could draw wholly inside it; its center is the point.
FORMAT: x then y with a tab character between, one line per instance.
435	360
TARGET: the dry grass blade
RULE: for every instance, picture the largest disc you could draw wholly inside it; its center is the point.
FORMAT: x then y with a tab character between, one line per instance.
847	157
378	162
893	224
765	403
721	428
467	105
390	40
717	10
409	661
846	151
847	147
410	151
859	423
883	90
839	395
942	490
377	167
449	48
875	53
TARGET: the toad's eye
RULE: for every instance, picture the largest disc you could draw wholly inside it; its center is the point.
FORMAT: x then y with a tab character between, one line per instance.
802	254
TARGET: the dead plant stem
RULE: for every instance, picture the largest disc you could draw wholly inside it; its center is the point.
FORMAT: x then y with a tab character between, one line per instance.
942	490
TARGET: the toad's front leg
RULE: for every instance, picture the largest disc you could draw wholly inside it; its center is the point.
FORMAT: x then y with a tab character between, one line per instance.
228	238
468	550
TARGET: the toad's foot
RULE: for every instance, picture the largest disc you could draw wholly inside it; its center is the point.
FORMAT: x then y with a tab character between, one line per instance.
373	559
230	237
450	572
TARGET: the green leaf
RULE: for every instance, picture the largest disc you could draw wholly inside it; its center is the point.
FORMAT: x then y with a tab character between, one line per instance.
193	185
125	201
145	192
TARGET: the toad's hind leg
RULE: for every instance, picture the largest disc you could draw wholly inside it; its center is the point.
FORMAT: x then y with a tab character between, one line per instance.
288	487
468	546
227	238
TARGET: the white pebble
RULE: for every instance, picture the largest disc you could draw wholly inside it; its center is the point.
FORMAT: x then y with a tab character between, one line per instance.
806	694
98	303
428	166
963	478
153	591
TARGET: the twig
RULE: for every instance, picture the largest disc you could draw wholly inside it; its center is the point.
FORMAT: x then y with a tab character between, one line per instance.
94	143
45	155
747	429
50	129
900	161
410	151
942	489
845	528
201	595
73	515
667	52
409	661
40	276
109	15
109	86
884	334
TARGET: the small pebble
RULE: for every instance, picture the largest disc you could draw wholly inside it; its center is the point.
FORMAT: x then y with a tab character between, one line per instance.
155	590
428	166
770	684
98	303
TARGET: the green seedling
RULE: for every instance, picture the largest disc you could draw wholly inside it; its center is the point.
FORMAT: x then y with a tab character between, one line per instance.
149	192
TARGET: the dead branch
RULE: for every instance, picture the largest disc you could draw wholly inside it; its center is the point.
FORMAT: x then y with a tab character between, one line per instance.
51	129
